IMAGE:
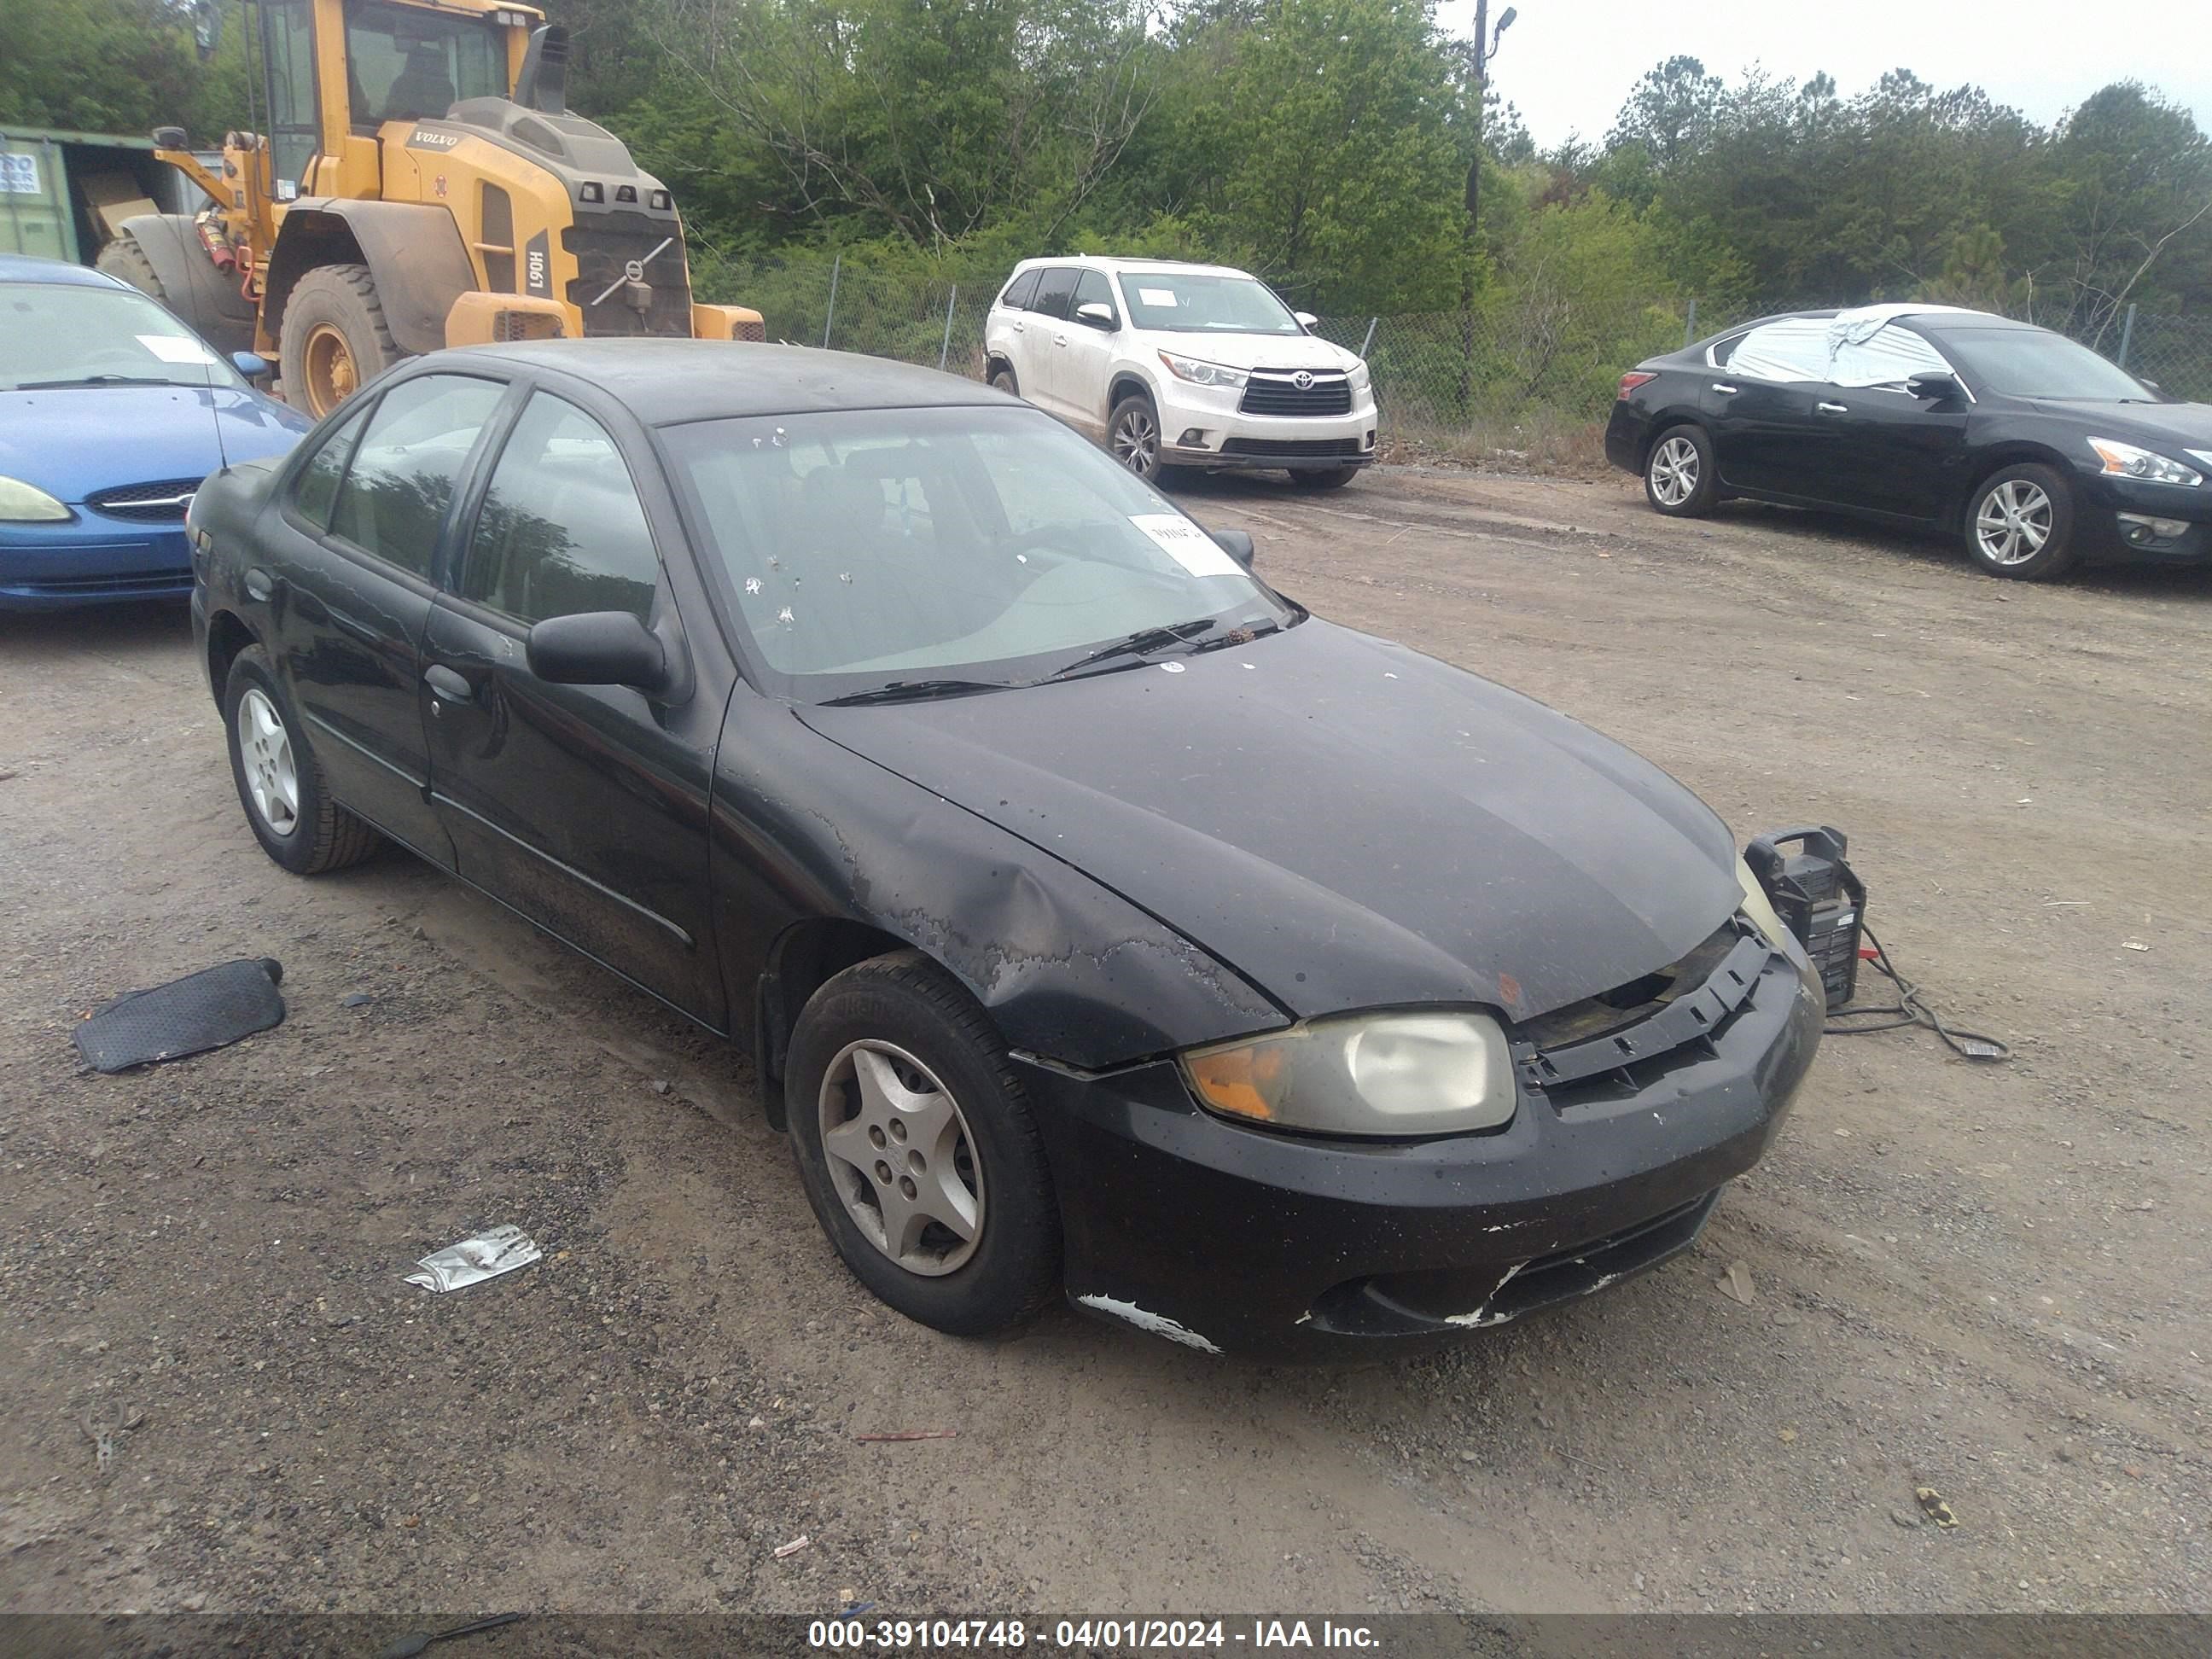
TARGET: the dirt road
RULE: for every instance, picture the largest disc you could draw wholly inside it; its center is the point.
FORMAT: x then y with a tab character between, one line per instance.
1987	1281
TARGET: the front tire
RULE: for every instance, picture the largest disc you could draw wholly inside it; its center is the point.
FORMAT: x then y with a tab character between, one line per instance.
335	339
2021	525
918	1150
1133	433
1680	478
280	783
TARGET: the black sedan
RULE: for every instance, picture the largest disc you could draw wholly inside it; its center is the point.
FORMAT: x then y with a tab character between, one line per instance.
1099	920
2031	448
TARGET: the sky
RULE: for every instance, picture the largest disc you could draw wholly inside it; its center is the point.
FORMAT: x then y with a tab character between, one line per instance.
1568	64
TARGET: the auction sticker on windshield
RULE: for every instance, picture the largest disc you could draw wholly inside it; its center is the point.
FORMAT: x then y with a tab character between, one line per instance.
174	349
1184	541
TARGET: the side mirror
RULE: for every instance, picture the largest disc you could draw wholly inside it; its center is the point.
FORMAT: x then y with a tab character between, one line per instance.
1935	386
596	647
1236	543
1096	315
251	364
1306	318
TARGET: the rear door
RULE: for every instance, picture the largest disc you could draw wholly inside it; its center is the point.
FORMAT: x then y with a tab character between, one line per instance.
1005	330
352	592
1759	407
583	807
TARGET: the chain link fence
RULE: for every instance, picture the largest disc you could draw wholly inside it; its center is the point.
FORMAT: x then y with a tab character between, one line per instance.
1524	380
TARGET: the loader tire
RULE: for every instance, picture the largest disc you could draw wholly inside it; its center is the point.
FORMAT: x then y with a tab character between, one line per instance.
335	339
125	259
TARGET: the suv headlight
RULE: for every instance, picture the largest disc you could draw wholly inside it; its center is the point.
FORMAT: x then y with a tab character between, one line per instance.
1202	374
1442	1072
1358	377
22	503
2130	462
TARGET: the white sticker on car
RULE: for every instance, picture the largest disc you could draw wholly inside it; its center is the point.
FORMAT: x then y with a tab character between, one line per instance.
175	349
1157	296
1187	545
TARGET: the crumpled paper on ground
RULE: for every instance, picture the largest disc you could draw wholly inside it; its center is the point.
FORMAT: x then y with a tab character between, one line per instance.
489	1254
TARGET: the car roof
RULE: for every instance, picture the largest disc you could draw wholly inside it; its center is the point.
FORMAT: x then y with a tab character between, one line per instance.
1112	262
670	381
30	268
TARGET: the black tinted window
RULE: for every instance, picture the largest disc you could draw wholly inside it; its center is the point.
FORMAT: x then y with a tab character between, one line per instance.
561	530
395	495
317	484
1092	290
1053	293
1016	296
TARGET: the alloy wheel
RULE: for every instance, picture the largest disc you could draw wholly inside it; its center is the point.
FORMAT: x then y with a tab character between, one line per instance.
901	1157
271	777
1137	442
1675	472
2013	522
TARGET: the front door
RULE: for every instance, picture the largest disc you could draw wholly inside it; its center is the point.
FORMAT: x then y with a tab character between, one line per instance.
583	807
363	525
1087	358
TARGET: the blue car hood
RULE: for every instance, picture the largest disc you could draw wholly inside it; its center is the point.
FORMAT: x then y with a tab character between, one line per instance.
72	441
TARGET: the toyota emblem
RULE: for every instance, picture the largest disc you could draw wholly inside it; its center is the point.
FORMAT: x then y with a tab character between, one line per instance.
1302	380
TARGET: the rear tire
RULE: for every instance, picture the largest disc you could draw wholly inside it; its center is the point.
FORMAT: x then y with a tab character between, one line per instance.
335	339
1680	478
1329	477
125	259
1002	380
280	783
2020	524
951	1132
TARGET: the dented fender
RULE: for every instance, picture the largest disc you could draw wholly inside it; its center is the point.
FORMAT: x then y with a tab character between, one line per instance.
1069	971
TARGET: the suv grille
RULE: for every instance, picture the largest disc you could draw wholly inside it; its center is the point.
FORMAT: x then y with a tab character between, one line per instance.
1275	392
1347	448
147	503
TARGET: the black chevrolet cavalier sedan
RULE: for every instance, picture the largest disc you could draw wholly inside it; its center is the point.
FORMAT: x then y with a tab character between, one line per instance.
1102	922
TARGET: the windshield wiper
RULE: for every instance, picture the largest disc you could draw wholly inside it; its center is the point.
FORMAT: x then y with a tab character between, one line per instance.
98	380
912	690
1137	644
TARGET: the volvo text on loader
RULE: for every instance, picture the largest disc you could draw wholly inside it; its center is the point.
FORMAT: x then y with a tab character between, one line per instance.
421	183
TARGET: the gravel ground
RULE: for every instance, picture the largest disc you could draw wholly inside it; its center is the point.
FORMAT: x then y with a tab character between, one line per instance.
1986	1281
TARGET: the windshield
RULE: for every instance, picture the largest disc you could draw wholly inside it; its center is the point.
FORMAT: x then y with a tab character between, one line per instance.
868	547
407	64
2034	362
61	333
1204	303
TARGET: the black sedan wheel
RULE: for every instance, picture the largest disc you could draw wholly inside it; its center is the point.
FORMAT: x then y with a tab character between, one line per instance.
2021	524
279	781
1679	477
918	1150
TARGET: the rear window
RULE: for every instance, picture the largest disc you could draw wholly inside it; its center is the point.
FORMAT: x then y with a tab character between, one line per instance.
1016	296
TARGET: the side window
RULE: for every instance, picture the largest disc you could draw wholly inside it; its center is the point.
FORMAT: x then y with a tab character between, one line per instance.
1794	349
1016	296
1720	351
1092	288
561	530
317	485
1893	356
1054	292
395	495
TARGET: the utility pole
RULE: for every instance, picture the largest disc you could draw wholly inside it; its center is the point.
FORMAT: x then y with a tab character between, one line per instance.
1484	48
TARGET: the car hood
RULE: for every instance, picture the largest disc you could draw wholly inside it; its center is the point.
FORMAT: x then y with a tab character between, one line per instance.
2168	428
1255	350
1346	823
73	441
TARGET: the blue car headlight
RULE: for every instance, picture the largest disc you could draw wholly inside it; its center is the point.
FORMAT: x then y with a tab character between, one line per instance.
23	503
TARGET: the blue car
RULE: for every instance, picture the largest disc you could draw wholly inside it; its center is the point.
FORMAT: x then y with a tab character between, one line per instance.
110	409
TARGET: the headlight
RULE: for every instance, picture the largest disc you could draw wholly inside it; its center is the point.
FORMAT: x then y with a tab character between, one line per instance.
2130	462
1198	373
1365	1074
1358	377
22	503
1761	909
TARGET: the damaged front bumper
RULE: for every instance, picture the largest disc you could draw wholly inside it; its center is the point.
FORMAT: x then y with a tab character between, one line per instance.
1236	1240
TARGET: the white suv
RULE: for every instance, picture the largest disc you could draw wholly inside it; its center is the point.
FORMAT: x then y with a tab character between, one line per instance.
1174	365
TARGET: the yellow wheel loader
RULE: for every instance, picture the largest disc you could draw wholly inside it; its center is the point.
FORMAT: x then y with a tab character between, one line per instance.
420	183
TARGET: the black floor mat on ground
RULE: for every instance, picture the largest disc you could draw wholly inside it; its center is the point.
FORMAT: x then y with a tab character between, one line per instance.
187	1016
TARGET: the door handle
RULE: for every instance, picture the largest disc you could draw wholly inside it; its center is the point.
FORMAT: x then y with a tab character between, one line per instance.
1833	408
1060	339
259	585
1728	391
446	686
